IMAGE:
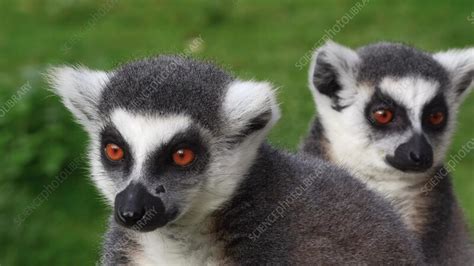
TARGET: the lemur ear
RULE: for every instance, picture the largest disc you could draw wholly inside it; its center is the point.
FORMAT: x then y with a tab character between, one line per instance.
460	65
249	107
80	90
333	73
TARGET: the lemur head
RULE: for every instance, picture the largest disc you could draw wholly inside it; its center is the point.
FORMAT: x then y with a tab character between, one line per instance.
170	138
389	107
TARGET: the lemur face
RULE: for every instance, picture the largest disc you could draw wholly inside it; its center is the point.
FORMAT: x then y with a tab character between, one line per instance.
407	122
388	107
171	138
157	163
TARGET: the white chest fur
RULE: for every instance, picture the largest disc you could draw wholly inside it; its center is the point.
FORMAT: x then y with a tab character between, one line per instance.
163	248
405	196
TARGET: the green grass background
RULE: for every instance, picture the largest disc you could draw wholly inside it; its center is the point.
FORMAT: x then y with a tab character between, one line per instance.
255	39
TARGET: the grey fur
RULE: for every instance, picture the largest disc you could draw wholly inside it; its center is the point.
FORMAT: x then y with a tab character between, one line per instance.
168	84
332	218
393	59
333	221
445	236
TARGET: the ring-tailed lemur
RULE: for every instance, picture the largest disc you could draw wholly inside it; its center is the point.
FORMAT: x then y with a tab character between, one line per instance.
178	149
386	112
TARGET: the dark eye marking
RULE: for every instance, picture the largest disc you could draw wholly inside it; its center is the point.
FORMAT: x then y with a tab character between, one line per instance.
110	135
165	160
384	113
435	114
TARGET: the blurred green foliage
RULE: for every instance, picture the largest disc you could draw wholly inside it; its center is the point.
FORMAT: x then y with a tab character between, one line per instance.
255	39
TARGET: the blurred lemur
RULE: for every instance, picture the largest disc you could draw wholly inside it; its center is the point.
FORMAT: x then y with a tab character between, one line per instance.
178	148
387	113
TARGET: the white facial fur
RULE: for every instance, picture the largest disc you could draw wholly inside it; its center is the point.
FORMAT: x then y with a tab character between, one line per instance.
144	134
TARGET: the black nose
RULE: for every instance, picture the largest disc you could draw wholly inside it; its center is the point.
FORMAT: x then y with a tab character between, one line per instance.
136	208
129	205
415	155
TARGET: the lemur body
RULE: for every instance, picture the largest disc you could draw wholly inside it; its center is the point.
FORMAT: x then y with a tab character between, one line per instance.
178	149
386	113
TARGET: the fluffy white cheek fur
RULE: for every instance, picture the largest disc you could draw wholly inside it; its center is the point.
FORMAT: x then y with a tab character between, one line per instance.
107	187
348	131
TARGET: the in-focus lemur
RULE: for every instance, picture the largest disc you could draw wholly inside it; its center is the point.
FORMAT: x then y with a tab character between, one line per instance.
177	147
387	112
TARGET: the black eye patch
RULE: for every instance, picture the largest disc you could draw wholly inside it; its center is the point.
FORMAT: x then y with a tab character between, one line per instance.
437	105
161	161
380	101
110	135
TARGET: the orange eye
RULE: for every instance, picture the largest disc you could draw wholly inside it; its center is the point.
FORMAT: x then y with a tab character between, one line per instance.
382	116
114	152
436	118
183	157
